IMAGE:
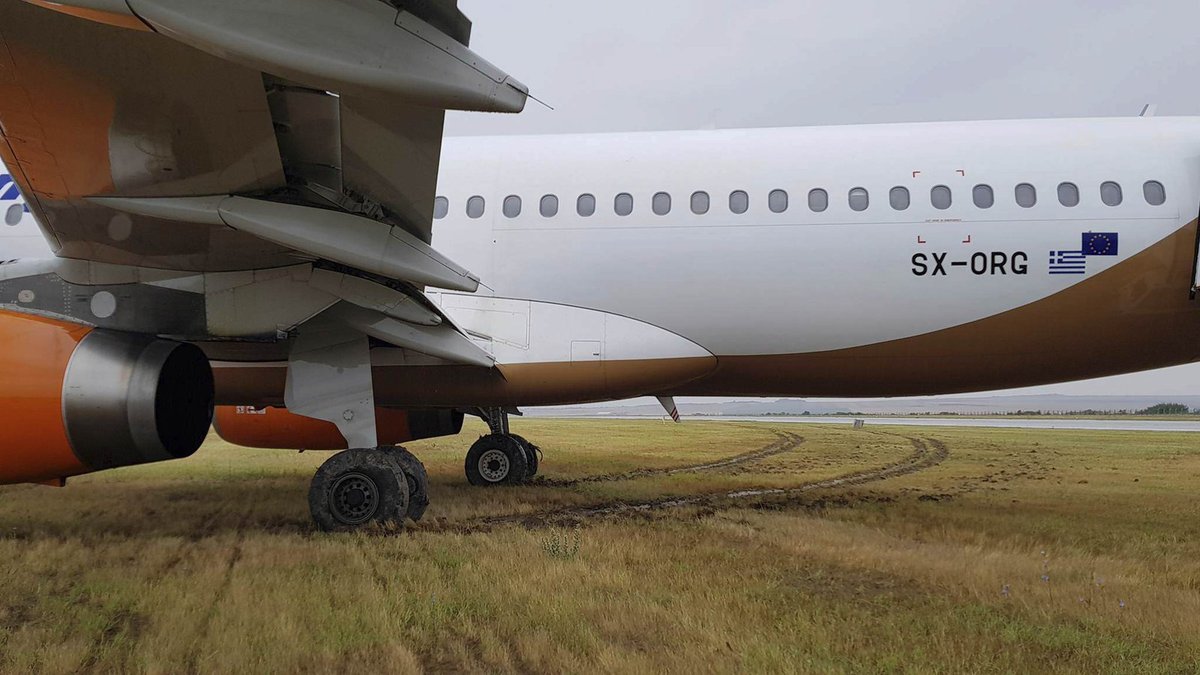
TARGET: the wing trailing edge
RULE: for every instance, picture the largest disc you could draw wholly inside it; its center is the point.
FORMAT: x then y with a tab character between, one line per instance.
364	47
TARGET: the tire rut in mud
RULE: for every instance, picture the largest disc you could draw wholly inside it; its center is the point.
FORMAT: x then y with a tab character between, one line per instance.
786	442
204	629
927	453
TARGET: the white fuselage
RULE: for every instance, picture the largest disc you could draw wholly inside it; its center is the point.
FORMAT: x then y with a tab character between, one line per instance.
800	280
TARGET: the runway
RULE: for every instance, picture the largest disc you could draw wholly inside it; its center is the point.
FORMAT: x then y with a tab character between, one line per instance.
997	422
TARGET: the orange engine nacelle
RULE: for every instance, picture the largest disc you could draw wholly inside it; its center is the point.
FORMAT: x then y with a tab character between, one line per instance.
75	400
279	429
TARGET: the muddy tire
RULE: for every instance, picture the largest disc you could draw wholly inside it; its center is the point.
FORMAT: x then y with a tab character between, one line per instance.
496	459
357	488
418	482
532	455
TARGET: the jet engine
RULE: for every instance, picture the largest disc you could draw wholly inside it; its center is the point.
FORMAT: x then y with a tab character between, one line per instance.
277	428
75	399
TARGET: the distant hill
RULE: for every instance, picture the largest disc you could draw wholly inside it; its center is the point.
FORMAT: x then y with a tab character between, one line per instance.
982	405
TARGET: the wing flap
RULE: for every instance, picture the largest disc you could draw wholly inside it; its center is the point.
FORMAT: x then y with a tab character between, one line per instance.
391	153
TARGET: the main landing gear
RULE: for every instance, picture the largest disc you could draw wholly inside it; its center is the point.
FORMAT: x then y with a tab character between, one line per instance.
386	485
359	487
501	457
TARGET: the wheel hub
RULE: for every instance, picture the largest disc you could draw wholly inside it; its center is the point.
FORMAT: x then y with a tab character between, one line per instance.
493	466
354	498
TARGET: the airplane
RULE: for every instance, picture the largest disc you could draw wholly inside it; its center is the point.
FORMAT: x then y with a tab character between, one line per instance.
257	225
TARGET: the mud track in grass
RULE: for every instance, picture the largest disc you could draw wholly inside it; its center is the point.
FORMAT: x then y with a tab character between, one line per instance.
927	453
786	442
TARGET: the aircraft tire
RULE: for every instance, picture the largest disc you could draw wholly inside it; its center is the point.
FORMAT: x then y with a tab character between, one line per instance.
531	455
418	482
359	487
496	459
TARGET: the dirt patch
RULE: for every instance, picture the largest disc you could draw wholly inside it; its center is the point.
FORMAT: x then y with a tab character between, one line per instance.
996	476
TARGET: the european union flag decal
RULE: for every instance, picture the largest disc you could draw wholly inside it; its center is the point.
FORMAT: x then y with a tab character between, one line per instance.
1099	243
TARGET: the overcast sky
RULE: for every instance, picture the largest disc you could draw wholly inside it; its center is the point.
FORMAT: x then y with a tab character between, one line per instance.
634	65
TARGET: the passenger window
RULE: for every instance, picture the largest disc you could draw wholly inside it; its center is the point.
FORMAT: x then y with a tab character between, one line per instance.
1111	193
777	201
941	197
623	204
860	199
818	200
700	203
512	206
1068	194
15	213
549	206
739	202
1156	194
661	204
1026	195
441	208
586	205
900	198
983	196
475	207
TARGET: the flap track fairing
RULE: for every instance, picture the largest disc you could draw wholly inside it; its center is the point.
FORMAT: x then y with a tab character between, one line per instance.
354	241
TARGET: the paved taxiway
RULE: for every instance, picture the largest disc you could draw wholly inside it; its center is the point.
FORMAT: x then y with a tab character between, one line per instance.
996	422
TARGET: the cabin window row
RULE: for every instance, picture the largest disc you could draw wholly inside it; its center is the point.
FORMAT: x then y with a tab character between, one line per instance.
941	197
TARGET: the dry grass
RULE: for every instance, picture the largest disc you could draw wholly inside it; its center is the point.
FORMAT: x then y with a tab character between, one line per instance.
1015	554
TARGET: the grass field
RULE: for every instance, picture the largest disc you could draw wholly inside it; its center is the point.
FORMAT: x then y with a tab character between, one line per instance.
885	549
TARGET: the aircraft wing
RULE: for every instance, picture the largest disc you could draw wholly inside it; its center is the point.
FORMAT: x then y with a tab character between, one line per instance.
239	134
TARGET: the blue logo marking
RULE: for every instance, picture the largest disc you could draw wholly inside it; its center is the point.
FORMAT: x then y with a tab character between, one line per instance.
8	188
9	192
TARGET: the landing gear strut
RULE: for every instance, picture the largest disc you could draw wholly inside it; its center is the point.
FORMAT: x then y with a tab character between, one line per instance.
358	487
329	379
501	457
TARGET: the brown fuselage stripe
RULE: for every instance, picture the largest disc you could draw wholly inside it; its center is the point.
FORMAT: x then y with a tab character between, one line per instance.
1137	315
466	386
